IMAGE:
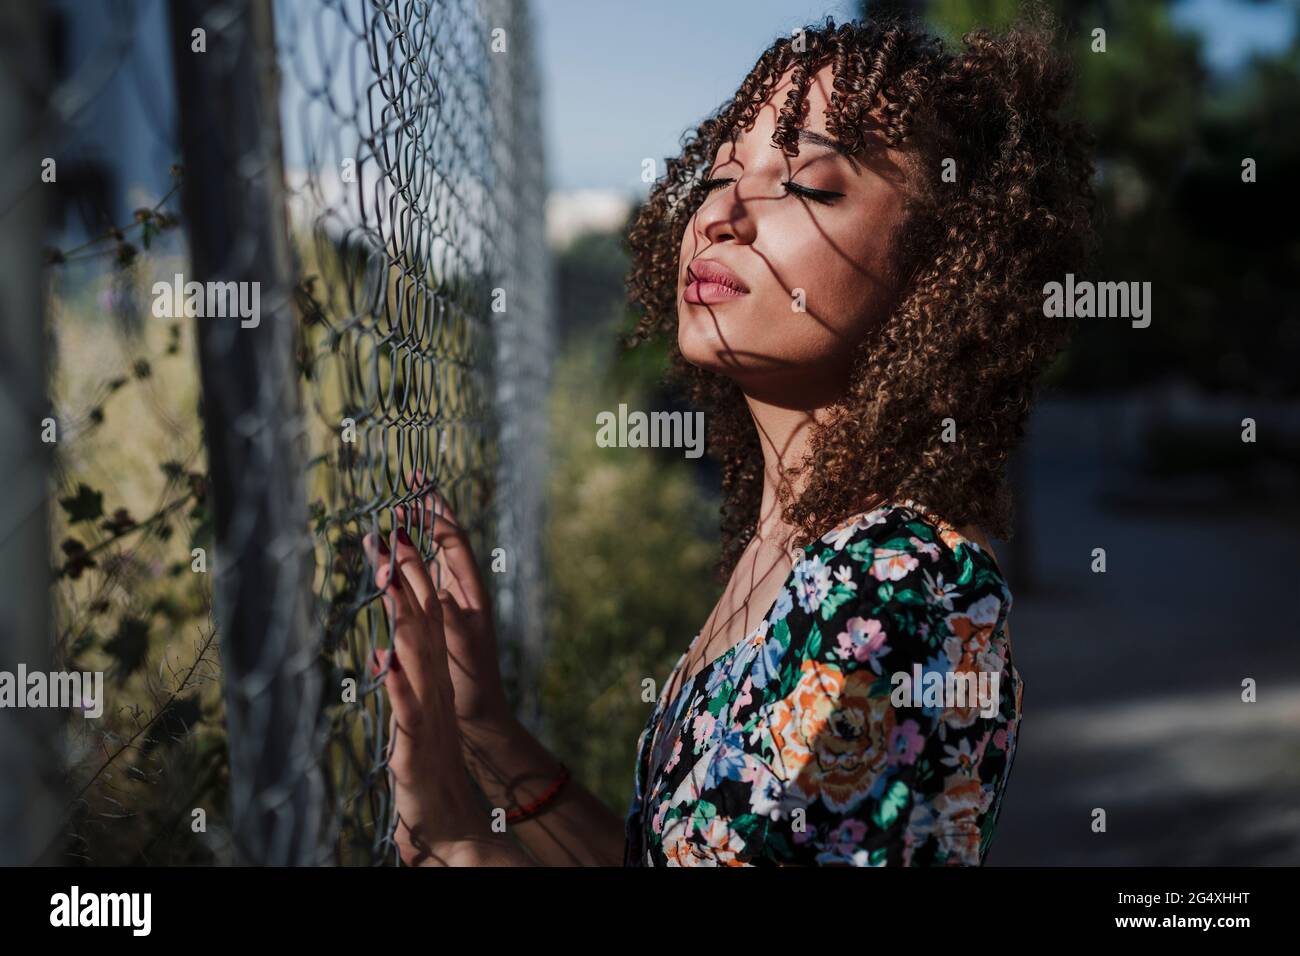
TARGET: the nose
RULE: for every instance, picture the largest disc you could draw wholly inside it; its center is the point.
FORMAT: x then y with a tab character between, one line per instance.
725	216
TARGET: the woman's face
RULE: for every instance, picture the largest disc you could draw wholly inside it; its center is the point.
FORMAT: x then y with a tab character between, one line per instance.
783	268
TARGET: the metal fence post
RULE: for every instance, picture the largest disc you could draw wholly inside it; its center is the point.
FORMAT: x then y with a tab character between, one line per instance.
30	765
523	348
233	197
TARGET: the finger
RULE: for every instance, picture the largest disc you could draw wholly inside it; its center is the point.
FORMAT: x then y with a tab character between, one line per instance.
432	673
406	709
381	661
406	703
433	514
454	621
406	617
454	555
377	554
410	564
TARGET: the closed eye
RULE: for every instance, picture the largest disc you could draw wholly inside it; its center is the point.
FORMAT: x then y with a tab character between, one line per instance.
824	196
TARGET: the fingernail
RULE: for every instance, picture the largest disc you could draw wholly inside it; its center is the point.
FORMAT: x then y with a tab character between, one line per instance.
383	545
403	537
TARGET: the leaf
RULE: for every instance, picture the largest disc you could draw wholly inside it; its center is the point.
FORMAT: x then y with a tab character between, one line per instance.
129	646
721	700
788	676
921	530
702	814
780	845
782	632
745	825
201	536
835	600
891	804
78	558
120	523
814	641
899	545
967	567
86	505
862	549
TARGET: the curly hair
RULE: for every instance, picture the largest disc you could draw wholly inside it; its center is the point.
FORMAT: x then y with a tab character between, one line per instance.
966	338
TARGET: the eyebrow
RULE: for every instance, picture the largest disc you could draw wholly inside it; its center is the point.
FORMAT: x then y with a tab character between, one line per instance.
819	139
827	142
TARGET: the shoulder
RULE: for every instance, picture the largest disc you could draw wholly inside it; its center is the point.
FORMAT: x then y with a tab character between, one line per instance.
902	564
894	747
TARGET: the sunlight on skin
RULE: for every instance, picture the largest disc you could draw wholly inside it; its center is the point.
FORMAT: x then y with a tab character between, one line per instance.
830	235
832	246
776	242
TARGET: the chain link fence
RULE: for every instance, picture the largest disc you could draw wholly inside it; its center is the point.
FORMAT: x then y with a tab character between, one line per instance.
416	188
361	188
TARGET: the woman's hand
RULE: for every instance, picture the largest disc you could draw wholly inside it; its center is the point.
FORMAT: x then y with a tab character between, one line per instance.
511	767
466	613
435	806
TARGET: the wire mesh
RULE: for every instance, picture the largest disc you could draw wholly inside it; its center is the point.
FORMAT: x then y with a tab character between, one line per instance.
400	162
415	176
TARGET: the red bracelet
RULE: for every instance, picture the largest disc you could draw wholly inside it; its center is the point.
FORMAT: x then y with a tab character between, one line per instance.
521	813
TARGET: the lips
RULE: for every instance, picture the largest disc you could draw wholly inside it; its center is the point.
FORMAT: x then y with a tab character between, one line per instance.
710	282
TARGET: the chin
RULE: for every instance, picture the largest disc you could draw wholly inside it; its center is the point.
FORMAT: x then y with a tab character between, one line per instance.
701	345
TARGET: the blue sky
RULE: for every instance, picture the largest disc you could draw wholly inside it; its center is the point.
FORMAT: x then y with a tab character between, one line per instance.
623	79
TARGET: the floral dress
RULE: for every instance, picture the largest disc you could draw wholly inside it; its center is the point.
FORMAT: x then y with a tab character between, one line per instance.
803	745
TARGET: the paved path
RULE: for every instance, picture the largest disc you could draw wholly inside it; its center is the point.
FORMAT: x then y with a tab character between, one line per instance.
1133	677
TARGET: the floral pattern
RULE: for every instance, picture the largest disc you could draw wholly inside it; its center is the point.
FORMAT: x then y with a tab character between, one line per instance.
794	747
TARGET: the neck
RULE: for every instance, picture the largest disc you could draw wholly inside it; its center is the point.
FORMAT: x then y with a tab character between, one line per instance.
784	434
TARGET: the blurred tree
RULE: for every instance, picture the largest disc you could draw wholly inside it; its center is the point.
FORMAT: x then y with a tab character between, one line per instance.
1171	140
631	546
589	279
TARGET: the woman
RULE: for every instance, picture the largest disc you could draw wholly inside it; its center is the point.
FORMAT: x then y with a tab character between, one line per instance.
851	253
